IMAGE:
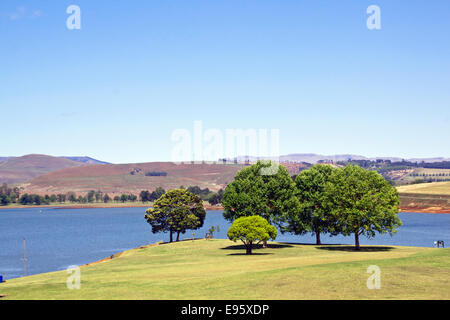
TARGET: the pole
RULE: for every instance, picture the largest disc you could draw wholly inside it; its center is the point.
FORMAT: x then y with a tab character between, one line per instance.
24	257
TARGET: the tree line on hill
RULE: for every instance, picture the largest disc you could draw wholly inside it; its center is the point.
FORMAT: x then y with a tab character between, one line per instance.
12	195
385	166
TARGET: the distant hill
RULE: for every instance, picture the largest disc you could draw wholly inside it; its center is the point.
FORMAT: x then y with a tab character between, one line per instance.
133	178
20	169
87	160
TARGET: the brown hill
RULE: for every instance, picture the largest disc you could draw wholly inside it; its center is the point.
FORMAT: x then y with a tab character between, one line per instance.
21	169
132	178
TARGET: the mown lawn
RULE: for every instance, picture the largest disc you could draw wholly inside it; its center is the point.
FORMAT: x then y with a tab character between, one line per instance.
218	269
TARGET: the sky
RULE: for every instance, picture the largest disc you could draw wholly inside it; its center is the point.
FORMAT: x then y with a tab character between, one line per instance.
136	71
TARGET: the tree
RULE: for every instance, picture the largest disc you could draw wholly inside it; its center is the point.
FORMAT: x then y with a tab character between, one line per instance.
124	198
176	211
264	189
216	197
145	195
4	200
363	202
53	198
98	196
155	195
71	197
61	197
106	198
90	196
315	205
251	230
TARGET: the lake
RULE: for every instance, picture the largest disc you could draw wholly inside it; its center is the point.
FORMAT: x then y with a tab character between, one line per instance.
57	239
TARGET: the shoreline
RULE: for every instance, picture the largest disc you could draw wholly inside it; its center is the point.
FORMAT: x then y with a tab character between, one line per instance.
91	206
430	210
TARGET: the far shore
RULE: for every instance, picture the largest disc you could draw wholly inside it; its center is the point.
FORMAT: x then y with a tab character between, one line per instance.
431	210
95	206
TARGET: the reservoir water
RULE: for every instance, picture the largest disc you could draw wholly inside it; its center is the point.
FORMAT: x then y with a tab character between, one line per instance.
57	239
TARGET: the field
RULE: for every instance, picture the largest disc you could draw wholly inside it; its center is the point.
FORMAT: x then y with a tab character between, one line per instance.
441	188
409	176
218	269
425	197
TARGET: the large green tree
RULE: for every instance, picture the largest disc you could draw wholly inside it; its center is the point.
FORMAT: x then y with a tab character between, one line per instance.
176	211
251	230
315	204
264	189
363	202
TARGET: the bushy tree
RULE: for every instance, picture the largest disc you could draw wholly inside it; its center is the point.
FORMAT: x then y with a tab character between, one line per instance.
155	195
216	197
264	189
363	202
251	230
106	198
176	211
315	204
145	195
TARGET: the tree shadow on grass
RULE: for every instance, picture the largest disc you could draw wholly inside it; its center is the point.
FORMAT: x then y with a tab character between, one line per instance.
257	246
352	248
253	254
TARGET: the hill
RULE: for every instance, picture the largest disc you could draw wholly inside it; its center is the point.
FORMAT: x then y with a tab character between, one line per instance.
132	178
20	169
217	269
87	160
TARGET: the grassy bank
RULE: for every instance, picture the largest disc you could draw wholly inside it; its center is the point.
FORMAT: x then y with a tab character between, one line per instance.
217	269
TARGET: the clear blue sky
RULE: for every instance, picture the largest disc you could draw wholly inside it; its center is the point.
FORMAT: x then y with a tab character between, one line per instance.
137	70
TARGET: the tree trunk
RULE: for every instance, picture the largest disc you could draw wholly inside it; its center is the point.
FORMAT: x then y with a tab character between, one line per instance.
318	238
171	237
248	248
178	236
357	241
264	244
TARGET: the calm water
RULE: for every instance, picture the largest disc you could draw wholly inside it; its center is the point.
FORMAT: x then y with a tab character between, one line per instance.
56	239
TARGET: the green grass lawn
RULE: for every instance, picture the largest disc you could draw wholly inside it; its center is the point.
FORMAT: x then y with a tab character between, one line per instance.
218	269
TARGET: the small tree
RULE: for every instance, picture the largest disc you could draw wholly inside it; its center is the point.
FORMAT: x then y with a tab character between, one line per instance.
251	230
363	202
176	212
106	198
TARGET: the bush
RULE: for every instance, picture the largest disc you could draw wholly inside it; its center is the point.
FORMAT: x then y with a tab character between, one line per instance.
251	230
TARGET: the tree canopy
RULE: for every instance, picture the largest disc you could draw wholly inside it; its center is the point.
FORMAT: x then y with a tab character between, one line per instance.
251	230
315	204
363	202
260	190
